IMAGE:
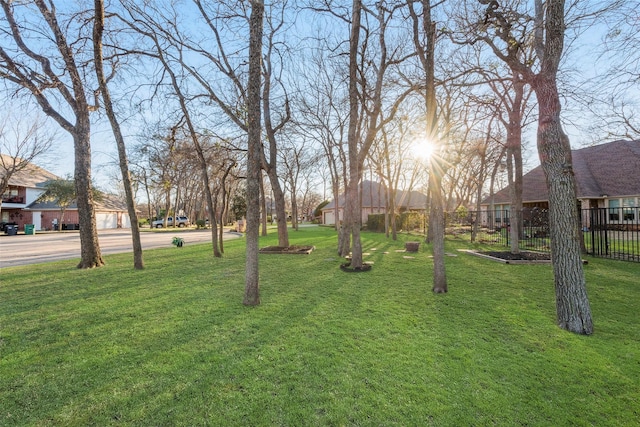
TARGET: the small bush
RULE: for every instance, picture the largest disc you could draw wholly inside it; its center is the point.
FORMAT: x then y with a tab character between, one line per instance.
375	222
406	221
410	221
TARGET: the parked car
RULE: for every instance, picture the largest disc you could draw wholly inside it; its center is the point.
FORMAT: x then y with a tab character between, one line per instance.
182	221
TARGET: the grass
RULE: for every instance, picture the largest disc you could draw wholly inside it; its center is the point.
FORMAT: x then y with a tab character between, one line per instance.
173	345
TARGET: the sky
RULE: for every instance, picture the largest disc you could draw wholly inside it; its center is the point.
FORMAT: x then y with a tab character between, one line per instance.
104	155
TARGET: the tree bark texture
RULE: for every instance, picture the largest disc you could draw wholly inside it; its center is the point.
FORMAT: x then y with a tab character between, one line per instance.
90	253
352	217
138	262
252	288
436	217
437	225
280	202
263	204
572	303
514	164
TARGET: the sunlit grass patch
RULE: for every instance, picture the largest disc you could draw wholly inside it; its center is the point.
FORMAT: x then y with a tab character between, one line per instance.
173	344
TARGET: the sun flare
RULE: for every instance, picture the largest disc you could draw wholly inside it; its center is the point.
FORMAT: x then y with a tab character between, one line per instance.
423	149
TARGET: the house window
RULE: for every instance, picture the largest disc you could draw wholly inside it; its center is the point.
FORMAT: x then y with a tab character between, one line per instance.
628	211
614	210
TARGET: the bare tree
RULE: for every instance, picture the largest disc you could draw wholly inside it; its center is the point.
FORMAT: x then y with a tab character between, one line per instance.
252	287
366	115
502	32
296	161
509	100
426	53
324	118
612	95
389	158
53	76
98	31
191	130
212	68
20	146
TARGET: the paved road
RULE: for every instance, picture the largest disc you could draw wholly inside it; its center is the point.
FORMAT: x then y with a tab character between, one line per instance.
53	246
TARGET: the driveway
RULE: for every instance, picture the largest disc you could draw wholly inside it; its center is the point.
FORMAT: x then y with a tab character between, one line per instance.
54	246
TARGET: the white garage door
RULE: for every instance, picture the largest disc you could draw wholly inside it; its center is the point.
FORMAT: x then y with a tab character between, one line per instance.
329	218
106	220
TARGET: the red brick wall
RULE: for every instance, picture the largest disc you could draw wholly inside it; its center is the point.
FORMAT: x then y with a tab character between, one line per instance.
70	217
19	217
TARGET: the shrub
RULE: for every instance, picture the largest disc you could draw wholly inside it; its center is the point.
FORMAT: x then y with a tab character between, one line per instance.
375	222
318	210
406	221
409	221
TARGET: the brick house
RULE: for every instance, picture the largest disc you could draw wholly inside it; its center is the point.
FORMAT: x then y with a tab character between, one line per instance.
20	205
373	202
607	176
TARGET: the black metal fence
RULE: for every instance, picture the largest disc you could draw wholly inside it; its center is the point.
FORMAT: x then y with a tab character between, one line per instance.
612	232
607	232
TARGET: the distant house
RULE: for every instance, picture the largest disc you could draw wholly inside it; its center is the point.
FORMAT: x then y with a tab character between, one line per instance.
19	205
23	190
110	213
607	176
373	202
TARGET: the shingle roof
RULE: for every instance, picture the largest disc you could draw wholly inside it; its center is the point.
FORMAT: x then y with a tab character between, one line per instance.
108	203
29	177
611	169
373	197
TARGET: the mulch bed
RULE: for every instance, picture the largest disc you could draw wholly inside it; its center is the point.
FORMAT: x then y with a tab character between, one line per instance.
522	256
347	268
305	250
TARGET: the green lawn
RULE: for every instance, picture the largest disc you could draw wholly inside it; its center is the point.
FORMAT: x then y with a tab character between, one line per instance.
173	345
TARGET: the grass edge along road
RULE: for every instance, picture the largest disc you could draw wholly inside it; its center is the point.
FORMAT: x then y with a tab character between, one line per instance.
173	345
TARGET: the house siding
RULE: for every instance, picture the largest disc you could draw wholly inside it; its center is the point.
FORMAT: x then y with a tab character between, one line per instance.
374	202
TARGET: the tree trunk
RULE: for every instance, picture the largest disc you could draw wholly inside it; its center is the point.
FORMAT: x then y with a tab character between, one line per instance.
572	304
514	163
353	218
212	205
294	208
392	218
344	238
252	287
91	256
138	262
481	178
281	212
437	228
263	205
436	218
223	209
